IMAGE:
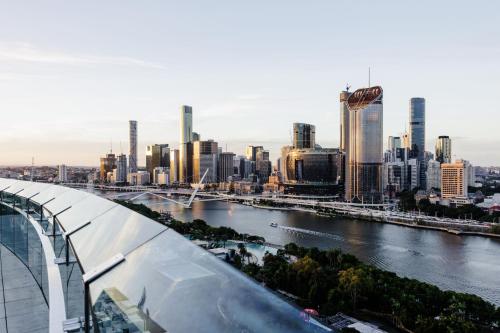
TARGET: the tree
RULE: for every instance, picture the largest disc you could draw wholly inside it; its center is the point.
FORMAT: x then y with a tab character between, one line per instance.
242	251
350	281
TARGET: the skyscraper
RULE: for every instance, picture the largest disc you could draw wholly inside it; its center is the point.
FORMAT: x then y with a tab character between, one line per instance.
344	121
186	138
453	180
132	157
62	175
344	135
443	149
251	152
174	165
433	175
205	157
417	134
284	153
120	173
364	153
107	164
393	143
226	166
157	155
304	135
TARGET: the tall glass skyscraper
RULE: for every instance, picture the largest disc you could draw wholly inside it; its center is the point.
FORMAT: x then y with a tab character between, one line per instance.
417	134
365	150
186	138
132	157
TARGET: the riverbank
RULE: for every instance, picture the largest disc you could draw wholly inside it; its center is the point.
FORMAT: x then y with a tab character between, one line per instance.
382	219
450	231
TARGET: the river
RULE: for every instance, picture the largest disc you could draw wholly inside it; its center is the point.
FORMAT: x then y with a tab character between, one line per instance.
469	264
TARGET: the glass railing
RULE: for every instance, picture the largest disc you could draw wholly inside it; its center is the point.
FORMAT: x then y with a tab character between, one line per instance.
19	236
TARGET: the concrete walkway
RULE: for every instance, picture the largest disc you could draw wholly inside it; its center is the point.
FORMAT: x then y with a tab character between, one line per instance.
22	305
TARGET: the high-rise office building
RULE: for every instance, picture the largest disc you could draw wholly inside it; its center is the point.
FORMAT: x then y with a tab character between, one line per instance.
470	174
157	155
185	141
205	157
365	151
62	175
120	172
443	149
433	175
344	121
453	180
263	166
417	134
393	143
161	176
304	135
107	164
344	135
226	166
251	152
284	153
174	165
395	177
414	171
132	157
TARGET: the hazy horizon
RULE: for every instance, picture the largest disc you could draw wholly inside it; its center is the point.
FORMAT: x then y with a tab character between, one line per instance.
73	74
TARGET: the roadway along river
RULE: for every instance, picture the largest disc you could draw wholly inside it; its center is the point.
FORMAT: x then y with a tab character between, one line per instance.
462	263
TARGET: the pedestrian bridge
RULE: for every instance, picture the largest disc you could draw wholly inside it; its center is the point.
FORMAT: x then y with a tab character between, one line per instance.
102	267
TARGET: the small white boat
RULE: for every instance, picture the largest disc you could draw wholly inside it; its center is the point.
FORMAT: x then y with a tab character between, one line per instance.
273	224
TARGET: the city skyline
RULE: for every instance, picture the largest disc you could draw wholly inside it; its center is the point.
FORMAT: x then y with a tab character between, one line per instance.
75	92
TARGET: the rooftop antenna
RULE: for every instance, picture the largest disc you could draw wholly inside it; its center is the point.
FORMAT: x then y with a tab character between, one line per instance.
369	70
111	146
347	87
121	149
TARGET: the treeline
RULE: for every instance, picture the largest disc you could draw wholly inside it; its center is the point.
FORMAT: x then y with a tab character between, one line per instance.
408	203
139	208
332	281
199	229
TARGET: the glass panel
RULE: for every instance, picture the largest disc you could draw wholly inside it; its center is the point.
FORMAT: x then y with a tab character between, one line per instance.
49	193
193	284
71	278
18	186
84	211
34	189
18	235
35	255
64	200
5	182
119	230
7	228
21	238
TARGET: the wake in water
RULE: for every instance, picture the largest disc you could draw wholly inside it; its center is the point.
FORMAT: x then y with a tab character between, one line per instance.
312	232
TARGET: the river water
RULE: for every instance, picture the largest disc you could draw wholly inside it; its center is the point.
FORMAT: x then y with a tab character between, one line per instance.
469	264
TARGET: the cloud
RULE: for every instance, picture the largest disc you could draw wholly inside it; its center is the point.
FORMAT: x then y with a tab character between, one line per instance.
25	52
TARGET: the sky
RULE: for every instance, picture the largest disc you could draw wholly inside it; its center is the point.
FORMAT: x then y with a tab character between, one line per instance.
72	73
